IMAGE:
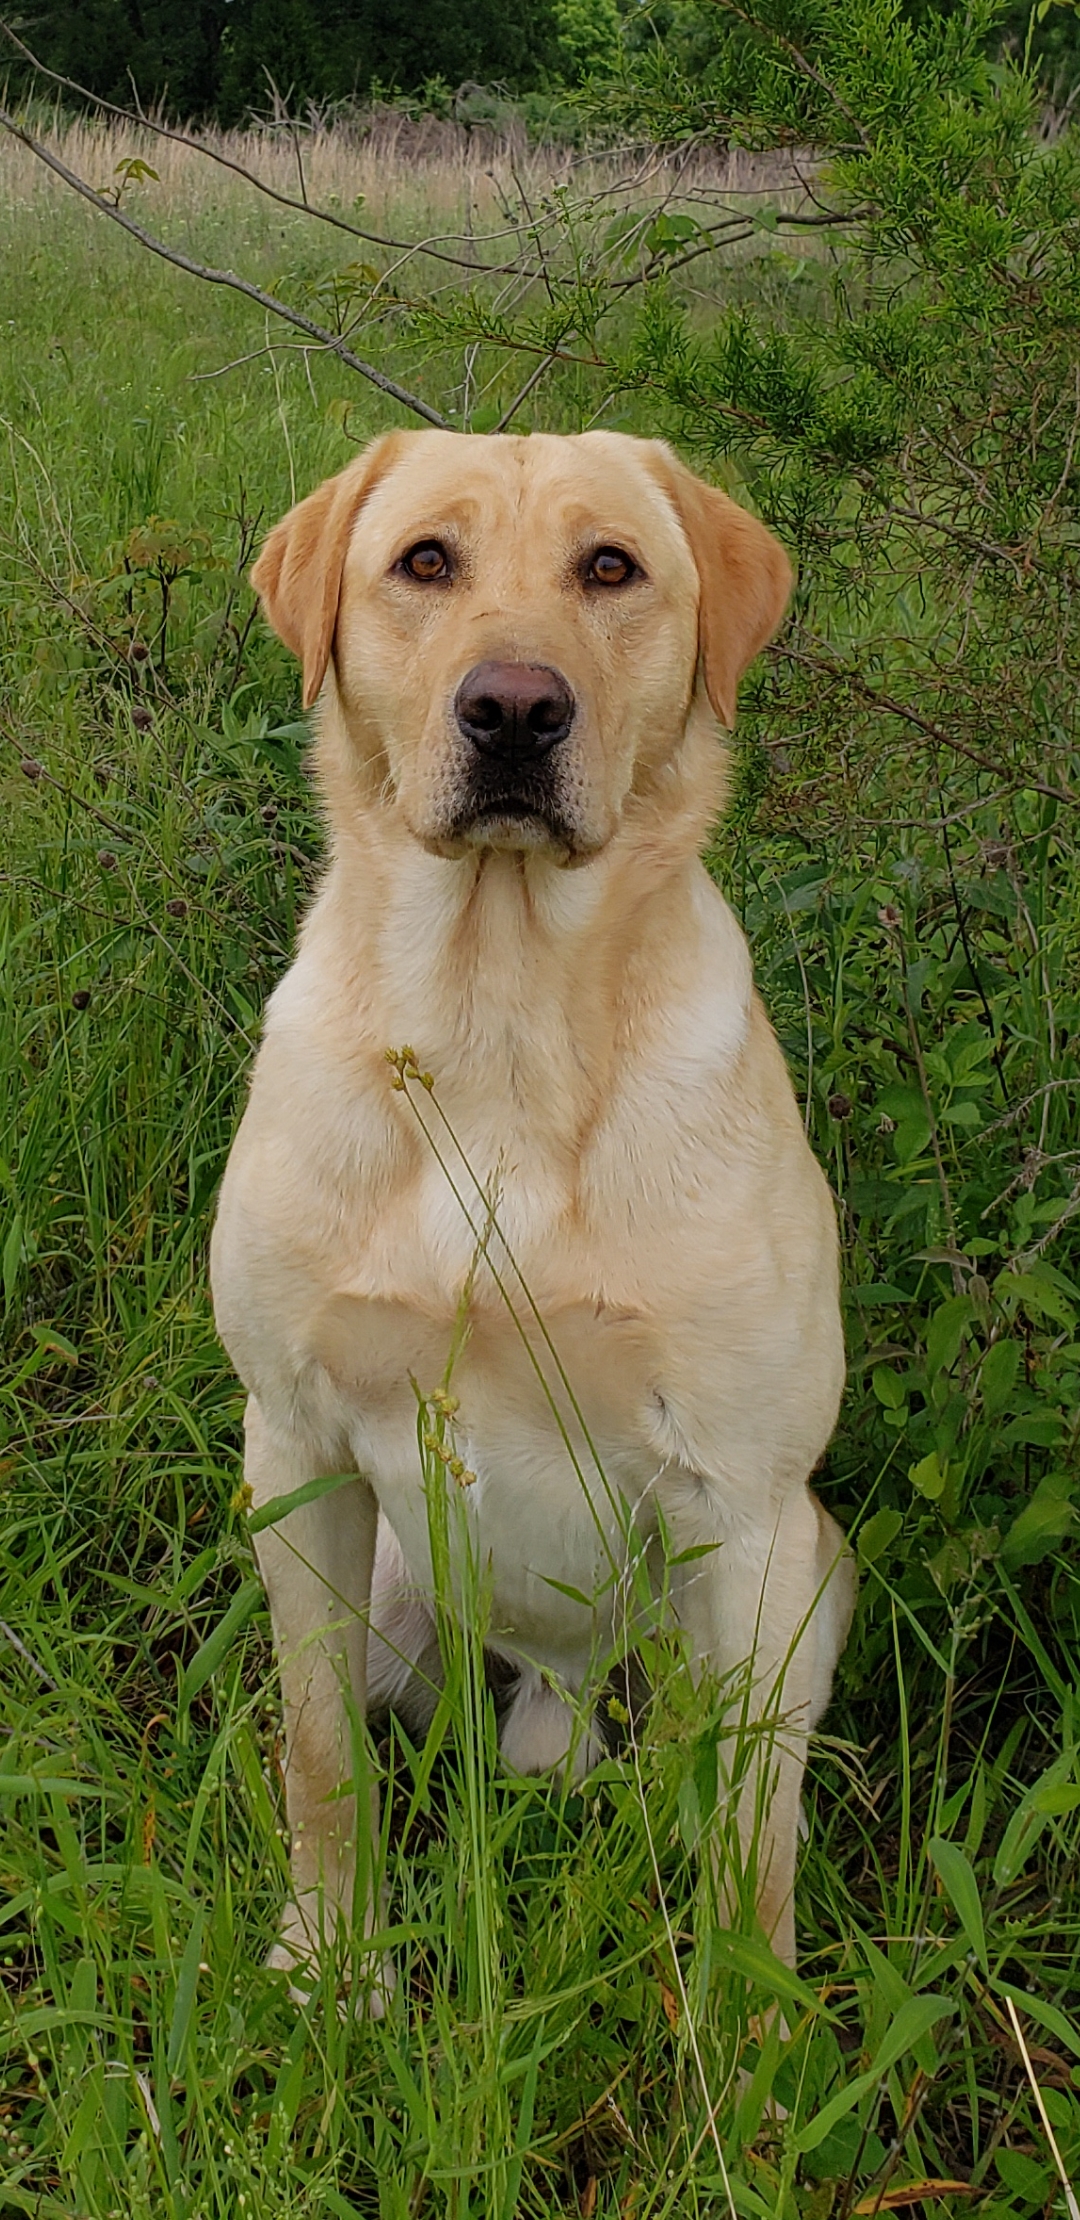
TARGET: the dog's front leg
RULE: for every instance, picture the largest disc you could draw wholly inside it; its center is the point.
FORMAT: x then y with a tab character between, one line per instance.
767	1611
316	1565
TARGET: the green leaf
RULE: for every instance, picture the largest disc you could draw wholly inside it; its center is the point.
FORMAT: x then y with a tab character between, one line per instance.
187	1982
86	2118
279	1506
283	748
903	1103
1029	1819
52	2019
888	1389
751	1956
946	1331
12	1258
1039	1527
217	1645
288	2090
997	1377
1042	1430
563	1588
911	1137
878	1534
1040	1297
1056	1799
45	1784
968	1060
914	2019
929	1476
689	1809
667	232
55	1344
1024	2177
962	1888
332	2200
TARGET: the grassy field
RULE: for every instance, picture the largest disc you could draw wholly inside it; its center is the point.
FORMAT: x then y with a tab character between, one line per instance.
572	2032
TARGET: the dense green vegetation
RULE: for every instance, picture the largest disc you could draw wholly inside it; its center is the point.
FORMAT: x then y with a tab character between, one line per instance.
225	57
885	365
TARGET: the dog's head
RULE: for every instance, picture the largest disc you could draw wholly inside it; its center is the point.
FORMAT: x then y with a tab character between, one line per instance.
517	626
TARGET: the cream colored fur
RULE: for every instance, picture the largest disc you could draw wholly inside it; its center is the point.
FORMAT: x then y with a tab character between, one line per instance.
583	1000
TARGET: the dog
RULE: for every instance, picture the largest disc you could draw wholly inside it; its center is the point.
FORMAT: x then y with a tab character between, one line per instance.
521	652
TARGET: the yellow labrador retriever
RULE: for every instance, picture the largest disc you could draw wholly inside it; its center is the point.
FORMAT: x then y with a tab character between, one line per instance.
521	649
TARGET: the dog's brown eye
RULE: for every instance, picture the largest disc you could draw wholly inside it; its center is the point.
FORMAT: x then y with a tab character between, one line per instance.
426	561
610	566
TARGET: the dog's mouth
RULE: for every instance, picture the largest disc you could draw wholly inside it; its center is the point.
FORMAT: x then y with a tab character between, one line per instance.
522	816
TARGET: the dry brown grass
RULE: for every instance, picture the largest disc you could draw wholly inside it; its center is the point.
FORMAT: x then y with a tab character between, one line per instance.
404	170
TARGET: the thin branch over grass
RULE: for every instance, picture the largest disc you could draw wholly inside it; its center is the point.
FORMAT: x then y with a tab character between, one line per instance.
181	261
138	118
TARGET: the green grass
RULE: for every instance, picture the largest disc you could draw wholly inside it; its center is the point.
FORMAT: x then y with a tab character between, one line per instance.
568	2013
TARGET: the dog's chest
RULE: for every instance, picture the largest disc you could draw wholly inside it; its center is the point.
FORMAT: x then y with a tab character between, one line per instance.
553	1425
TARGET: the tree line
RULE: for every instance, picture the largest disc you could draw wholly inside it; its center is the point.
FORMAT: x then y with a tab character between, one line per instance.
217	58
221	60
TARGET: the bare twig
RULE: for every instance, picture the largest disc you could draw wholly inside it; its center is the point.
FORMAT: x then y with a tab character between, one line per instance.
935	1143
923	824
8	1634
532	380
1066	472
1049	1087
254	354
926	520
887	702
1070	2194
1070	1210
808	1007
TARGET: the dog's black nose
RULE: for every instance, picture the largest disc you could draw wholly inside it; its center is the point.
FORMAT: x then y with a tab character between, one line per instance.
515	710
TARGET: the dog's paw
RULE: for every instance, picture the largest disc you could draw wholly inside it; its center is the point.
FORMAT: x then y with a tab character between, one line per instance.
296	1953
302	1968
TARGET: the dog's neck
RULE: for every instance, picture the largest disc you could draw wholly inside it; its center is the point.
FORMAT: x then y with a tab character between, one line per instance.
517	979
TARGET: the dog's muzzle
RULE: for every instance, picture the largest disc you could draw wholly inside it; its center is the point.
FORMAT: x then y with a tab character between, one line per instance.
513	719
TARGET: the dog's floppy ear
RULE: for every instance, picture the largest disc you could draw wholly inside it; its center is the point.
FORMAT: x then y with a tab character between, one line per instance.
744	572
298	574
